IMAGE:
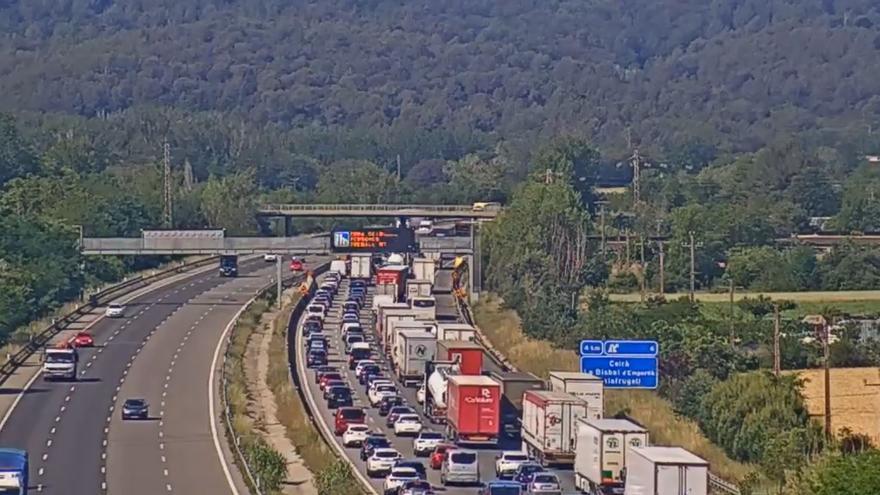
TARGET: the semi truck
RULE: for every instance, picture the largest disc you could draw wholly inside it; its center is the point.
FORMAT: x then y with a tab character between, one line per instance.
13	471
549	425
455	331
473	409
417	288
424	269
413	349
665	471
601	451
437	375
60	362
397	327
340	267
514	384
468	354
584	385
361	267
228	265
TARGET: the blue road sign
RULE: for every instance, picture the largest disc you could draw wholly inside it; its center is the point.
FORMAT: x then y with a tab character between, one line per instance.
592	348
622	372
630	348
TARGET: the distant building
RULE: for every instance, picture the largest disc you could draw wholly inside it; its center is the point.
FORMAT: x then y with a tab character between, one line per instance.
873	159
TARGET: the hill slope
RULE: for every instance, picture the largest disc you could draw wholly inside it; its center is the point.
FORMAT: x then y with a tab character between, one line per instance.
727	72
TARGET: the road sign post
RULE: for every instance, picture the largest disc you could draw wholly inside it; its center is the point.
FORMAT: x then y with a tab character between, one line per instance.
622	363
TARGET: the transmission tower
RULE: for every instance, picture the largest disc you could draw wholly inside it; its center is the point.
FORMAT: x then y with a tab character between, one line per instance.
166	176
637	172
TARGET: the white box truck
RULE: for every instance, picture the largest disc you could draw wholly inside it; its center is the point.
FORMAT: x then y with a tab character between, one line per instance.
340	267
600	453
584	385
549	425
424	269
665	471
361	267
418	288
455	331
413	349
396	326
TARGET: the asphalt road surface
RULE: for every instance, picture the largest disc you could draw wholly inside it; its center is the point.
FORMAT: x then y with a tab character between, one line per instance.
64	426
338	358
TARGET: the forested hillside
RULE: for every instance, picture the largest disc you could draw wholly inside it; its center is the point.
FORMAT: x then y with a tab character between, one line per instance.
727	73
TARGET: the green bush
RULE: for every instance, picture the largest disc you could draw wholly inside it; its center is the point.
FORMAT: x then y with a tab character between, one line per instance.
336	479
269	465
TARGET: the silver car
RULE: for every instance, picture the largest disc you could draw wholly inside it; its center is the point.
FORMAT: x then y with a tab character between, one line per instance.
546	483
460	467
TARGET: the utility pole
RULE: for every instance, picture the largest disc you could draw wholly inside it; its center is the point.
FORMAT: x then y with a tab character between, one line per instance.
826	348
662	268
691	238
636	161
166	176
777	359
643	288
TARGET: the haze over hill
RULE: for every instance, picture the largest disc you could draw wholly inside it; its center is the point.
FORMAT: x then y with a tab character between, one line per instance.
731	73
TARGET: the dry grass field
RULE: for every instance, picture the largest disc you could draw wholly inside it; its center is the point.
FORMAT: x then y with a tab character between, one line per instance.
855	398
502	327
798	297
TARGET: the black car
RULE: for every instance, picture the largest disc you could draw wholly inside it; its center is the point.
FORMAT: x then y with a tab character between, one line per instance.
387	403
135	409
358	283
420	487
311	326
339	397
395	413
370	369
316	358
414	464
351	307
372	443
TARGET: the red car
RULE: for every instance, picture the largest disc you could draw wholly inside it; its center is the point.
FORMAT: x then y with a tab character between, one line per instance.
296	265
326	377
347	416
439	455
83	339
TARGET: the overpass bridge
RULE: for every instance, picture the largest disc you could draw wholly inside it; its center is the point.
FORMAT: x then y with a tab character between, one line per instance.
202	243
360	210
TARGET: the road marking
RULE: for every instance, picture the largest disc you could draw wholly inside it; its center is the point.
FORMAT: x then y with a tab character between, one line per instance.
168	487
45	456
57	418
52	431
41	471
49	443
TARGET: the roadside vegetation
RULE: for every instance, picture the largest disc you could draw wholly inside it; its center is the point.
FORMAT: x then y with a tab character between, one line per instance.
269	466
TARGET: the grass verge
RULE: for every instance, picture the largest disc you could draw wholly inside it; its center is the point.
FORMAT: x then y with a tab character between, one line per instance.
332	476
502	327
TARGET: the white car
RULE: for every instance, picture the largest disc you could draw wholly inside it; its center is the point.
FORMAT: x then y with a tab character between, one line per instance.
407	424
546	483
507	462
420	395
270	257
424	444
398	477
360	366
381	390
315	310
355	435
381	461
114	310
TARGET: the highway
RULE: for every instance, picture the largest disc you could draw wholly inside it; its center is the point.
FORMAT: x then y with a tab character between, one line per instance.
71	430
403	445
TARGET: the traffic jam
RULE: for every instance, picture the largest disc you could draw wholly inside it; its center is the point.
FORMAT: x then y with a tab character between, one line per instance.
421	409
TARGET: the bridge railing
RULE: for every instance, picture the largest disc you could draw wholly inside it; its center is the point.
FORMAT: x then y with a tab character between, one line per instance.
367	207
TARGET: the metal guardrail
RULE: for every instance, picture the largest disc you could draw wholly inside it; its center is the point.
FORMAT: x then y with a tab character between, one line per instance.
378	210
307	400
718	485
95	300
254	480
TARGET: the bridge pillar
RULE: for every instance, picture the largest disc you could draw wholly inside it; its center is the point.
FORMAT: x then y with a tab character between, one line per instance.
288	226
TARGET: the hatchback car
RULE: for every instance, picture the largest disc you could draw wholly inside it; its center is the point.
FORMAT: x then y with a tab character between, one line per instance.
333	384
525	471
415	464
316	358
460	467
347	416
370	369
355	435
407	424
381	460
544	482
500	487
371	443
351	307
135	409
506	462
396	478
396	410
326	377
320	371
389	403
350	318
439	455
339	397
114	310
416	487
425	442
83	339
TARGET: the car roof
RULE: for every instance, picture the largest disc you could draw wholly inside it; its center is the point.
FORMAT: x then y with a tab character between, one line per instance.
504	484
386	450
404	470
513	452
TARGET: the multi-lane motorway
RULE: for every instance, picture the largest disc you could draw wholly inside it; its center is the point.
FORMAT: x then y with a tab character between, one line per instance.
164	350
374	420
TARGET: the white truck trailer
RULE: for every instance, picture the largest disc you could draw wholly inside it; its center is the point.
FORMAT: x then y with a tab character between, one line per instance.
418	288
601	452
665	471
361	267
584	385
455	331
549	425
413	349
424	269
